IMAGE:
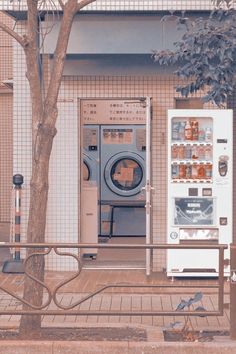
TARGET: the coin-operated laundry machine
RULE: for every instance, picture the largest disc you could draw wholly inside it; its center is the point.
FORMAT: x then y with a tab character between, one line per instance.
91	147
90	225
123	150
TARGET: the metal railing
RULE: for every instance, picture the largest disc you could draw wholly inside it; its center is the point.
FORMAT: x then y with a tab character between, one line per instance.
43	249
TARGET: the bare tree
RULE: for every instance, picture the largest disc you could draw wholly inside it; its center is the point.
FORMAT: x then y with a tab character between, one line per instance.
44	117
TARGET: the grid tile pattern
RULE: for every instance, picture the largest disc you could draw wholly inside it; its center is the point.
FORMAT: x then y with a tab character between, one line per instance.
63	206
5	155
5	50
63	210
22	143
118	5
6	105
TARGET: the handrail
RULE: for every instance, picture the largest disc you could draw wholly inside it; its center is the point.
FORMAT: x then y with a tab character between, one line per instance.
43	249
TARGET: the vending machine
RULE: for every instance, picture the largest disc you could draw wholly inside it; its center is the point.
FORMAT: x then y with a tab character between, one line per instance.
199	188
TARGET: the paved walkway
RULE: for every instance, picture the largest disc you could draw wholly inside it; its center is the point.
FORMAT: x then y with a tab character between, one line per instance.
120	299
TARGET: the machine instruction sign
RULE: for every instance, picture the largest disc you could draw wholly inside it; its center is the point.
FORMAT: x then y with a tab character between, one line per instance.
113	111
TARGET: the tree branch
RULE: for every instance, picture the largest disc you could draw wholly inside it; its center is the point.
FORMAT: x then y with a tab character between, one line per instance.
84	3
13	34
70	10
61	4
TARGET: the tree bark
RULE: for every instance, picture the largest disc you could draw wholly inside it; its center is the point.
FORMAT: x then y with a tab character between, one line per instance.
33	292
43	131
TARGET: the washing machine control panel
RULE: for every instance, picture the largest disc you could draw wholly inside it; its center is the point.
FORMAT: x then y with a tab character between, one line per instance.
90	139
141	139
117	136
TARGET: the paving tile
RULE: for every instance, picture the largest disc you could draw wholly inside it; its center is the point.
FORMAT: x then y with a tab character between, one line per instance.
207	304
167	306
94	306
146	306
136	304
156	306
105	305
83	306
115	305
125	306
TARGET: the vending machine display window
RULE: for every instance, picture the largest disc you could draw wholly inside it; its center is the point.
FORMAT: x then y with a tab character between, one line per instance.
191	149
203	234
194	211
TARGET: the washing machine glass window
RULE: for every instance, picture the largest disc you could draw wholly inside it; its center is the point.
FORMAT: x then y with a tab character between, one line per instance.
86	172
126	174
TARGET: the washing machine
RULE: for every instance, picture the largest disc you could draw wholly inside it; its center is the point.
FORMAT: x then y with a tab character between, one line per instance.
123	151
91	147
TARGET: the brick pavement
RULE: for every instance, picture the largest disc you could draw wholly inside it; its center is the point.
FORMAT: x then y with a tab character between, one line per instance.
121	299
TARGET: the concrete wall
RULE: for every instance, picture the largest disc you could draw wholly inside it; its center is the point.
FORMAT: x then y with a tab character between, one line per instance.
113	34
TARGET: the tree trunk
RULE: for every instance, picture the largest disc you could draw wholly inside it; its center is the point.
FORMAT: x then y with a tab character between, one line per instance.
43	131
33	292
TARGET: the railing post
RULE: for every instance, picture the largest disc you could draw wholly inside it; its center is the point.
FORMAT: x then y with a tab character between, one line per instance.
233	291
221	281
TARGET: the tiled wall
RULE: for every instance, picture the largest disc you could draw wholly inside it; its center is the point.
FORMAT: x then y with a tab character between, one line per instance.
5	156
63	211
5	50
22	143
5	122
121	5
63	194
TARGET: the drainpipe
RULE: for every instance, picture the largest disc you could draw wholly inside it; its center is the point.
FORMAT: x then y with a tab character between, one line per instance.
233	291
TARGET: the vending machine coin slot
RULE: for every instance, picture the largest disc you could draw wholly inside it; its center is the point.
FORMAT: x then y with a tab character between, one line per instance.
193	192
207	192
223	221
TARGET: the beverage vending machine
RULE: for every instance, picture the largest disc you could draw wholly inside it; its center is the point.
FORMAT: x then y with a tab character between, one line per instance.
199	188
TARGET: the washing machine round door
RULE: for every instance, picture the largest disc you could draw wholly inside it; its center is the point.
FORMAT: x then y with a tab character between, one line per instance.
125	174
86	171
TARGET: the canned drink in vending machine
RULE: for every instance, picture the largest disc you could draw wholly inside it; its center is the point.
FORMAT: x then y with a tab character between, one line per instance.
175	131
182	171
174	171
208	170
181	152
174	152
188	152
188	171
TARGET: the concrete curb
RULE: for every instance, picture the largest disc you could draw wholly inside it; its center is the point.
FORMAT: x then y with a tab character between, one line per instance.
88	347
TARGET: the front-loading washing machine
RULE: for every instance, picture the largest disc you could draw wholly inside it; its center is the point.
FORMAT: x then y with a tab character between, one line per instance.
123	152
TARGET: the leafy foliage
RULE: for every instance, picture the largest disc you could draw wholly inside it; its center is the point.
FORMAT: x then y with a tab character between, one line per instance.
187	330
183	303
206	54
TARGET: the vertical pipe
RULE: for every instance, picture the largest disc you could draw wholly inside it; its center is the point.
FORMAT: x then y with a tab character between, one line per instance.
221	281
148	186
233	291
